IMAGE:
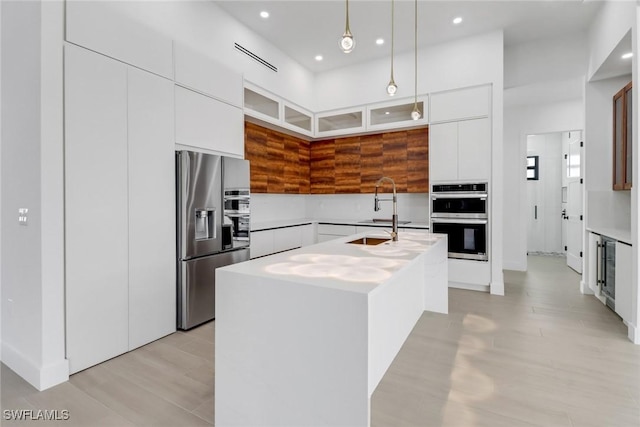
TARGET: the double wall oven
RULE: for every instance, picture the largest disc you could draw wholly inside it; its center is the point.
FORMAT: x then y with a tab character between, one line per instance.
462	212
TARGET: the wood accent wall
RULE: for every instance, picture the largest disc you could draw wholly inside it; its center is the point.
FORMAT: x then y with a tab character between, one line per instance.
354	164
281	163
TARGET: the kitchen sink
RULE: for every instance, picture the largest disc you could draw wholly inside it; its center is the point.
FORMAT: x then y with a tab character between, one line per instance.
381	221
369	241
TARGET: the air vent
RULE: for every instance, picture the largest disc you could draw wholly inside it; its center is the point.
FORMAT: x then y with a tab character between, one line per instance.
255	57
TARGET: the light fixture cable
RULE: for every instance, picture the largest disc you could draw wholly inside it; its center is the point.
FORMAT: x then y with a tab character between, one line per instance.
347	42
392	88
415	114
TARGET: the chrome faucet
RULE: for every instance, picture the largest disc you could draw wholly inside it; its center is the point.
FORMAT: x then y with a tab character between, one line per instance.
394	217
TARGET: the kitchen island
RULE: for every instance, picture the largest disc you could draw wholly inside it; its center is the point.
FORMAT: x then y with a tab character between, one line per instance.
304	337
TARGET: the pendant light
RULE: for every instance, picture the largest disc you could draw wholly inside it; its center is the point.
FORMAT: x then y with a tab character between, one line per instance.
392	88
415	114
347	43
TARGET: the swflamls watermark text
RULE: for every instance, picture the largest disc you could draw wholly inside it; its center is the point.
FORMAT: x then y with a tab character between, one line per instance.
35	414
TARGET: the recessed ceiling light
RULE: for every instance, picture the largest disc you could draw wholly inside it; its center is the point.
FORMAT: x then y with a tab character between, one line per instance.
627	55
379	41
386	112
318	57
264	14
457	20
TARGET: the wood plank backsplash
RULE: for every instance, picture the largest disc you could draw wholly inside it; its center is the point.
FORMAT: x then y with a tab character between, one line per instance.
281	163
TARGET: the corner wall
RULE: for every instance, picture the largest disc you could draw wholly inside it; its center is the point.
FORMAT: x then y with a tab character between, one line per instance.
32	278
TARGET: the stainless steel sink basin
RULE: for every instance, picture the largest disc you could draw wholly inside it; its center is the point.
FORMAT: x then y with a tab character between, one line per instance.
381	221
370	241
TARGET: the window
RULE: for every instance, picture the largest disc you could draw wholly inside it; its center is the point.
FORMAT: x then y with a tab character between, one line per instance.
532	168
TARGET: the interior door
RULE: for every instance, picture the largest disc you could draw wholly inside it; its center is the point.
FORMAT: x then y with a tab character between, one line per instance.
574	219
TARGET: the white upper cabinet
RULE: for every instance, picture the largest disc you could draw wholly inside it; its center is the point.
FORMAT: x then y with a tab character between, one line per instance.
204	122
204	74
265	106
474	150
460	104
460	151
397	114
340	122
109	28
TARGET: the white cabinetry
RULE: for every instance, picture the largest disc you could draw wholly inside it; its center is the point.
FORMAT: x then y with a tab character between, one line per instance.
460	151
333	231
204	122
110	27
267	242
152	285
623	280
96	217
460	104
261	243
119	204
202	73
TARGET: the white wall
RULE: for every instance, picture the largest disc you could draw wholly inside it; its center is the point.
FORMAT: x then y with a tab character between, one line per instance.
610	25
32	279
600	197
466	62
519	122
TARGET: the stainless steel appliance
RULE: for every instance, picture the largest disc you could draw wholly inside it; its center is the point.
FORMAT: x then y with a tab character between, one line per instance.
606	270
461	211
209	235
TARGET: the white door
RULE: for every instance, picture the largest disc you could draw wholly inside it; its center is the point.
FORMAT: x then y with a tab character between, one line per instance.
574	220
535	223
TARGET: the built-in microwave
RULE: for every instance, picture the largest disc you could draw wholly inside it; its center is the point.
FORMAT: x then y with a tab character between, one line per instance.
459	201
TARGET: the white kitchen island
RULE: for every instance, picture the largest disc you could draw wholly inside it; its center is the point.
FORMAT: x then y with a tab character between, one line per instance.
303	337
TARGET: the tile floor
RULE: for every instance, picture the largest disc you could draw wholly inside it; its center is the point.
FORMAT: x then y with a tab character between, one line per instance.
542	355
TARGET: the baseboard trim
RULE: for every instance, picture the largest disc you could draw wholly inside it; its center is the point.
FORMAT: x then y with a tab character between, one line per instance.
469	286
41	377
585	289
633	333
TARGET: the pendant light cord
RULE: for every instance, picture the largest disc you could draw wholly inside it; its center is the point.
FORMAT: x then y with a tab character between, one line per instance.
392	32
347	18
415	60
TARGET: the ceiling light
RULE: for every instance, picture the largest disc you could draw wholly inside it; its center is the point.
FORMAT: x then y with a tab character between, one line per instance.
386	112
379	41
392	87
318	57
347	43
264	14
457	20
415	114
627	55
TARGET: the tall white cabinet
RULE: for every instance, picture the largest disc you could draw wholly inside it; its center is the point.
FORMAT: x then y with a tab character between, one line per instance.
119	207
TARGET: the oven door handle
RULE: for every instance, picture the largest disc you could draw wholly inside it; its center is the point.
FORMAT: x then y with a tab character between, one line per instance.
459	196
459	221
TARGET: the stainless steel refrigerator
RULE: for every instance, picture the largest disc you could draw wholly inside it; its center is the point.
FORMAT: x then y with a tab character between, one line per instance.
208	235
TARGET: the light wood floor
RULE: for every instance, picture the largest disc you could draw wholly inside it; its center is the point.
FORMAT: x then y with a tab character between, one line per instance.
543	355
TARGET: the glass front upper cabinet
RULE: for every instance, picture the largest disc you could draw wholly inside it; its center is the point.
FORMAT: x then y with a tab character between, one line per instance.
622	137
262	104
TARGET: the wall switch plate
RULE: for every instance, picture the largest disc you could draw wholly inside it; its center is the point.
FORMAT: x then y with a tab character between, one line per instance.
22	216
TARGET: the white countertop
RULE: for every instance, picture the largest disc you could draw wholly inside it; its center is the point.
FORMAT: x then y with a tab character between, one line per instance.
340	265
268	225
620	234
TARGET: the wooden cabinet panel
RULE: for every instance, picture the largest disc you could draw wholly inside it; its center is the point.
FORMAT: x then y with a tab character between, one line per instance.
284	164
323	167
279	162
347	165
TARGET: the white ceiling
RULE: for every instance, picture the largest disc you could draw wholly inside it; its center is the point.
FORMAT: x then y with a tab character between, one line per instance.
306	28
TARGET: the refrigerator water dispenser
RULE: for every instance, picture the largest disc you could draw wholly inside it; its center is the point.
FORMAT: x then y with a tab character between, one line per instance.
205	224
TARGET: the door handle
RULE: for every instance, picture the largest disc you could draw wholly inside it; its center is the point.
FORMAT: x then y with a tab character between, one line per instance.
535	212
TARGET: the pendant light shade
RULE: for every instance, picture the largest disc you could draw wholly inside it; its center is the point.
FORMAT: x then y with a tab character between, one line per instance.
392	88
415	114
346	42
